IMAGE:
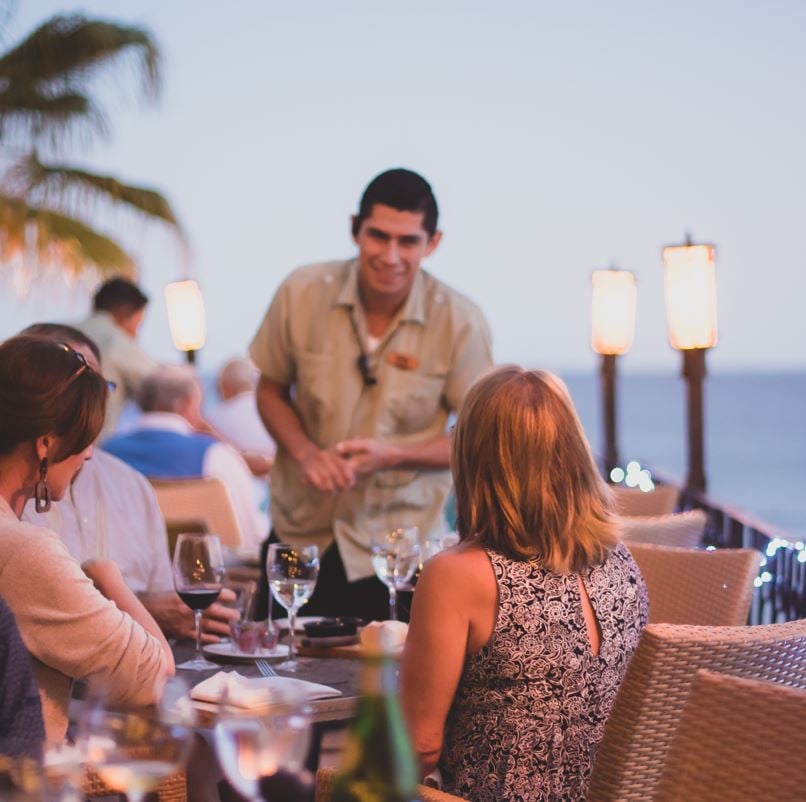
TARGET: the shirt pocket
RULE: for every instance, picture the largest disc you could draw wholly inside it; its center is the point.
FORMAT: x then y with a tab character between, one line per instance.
415	400
313	395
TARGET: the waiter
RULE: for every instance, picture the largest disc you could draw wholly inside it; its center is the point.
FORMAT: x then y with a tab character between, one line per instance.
362	362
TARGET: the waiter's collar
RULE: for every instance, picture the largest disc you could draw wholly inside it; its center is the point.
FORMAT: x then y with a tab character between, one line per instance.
414	308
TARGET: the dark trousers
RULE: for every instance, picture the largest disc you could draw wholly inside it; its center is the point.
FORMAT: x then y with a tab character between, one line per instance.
334	595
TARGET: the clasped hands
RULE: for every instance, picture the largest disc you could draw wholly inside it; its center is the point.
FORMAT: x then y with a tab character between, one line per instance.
337	469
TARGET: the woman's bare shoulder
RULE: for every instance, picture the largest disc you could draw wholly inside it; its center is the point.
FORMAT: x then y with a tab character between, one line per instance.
458	565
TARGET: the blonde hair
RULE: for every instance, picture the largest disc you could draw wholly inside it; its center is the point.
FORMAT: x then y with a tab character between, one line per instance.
526	483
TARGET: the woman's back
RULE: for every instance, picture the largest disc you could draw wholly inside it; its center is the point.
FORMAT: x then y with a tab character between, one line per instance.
530	707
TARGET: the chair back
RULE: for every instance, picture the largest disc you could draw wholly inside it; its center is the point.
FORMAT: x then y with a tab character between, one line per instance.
715	754
697	587
324	787
632	501
681	529
650	701
199	502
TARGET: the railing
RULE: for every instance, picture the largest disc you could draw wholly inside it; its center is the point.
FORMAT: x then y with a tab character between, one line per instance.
780	593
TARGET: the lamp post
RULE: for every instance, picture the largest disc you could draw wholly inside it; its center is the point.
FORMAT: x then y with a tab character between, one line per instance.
612	331
186	317
690	285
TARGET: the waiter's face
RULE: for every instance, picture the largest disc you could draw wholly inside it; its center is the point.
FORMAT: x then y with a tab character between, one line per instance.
391	245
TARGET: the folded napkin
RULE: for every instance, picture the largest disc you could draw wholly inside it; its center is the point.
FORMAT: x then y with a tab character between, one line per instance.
384	637
255	692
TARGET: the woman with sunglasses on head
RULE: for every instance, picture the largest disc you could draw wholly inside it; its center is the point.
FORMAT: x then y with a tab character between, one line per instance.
521	634
75	623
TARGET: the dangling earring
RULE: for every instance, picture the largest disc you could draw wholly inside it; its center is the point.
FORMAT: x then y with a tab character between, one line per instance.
41	489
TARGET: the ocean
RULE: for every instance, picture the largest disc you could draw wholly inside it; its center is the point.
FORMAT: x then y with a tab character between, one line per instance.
755	435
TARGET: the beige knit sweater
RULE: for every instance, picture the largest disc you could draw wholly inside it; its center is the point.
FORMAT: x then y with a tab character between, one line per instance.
70	629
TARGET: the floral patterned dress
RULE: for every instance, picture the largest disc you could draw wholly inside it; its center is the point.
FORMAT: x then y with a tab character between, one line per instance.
531	705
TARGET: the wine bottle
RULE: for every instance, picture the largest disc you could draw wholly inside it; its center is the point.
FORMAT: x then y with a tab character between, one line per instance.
378	764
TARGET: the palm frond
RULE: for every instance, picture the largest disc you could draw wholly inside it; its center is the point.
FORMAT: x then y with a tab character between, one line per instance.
54	238
58	182
66	48
25	109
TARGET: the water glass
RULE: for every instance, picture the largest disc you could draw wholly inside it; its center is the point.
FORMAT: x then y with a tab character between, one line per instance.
292	573
395	558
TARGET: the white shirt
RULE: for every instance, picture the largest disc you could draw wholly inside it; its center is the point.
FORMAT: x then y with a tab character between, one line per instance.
223	462
237	420
110	512
124	363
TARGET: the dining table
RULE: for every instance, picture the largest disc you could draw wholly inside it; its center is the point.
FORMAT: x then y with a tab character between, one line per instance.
326	714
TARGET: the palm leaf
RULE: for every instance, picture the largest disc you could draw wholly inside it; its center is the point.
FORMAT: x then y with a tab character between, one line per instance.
53	66
26	107
54	238
57	183
68	48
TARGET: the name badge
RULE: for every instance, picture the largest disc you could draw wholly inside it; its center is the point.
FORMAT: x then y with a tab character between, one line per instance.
403	361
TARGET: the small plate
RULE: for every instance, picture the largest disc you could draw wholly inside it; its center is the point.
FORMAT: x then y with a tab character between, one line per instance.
227	650
282	623
334	640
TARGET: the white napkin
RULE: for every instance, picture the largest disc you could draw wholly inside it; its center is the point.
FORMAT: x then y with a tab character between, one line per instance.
384	637
253	692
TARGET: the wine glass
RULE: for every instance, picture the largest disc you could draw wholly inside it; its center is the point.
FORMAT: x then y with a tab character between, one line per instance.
133	752
198	569
292	573
251	746
395	557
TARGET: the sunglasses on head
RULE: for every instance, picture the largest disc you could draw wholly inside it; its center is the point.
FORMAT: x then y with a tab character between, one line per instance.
83	365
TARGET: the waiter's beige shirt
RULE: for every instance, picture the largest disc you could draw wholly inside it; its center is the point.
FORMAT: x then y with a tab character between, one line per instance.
310	339
70	629
124	363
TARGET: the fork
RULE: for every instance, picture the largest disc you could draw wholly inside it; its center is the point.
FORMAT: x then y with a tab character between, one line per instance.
265	669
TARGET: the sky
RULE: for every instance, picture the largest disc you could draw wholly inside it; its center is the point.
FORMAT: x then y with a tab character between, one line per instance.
558	137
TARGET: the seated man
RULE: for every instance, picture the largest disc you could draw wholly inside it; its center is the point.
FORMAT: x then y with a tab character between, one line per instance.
167	444
110	512
236	417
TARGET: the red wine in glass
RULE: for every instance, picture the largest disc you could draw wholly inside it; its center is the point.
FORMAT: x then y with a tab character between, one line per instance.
198	570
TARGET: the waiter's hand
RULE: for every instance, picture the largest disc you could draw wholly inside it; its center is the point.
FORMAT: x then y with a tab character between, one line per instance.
366	455
327	471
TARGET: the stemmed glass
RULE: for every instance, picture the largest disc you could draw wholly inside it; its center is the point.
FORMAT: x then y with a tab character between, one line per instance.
292	573
133	752
198	569
251	746
395	557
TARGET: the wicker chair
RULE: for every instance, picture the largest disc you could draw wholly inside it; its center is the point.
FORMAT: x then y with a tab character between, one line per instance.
697	587
715	754
681	529
173	789
650	702
199	501
632	501
324	785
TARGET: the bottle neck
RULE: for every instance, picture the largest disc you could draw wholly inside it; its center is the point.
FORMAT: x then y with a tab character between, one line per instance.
378	677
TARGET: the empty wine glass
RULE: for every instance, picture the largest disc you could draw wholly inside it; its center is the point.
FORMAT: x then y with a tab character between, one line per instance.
292	573
395	557
198	569
251	746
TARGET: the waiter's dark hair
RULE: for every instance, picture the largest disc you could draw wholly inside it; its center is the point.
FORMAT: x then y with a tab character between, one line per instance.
403	190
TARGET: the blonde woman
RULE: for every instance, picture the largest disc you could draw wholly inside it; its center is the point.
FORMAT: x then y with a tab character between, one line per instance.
521	634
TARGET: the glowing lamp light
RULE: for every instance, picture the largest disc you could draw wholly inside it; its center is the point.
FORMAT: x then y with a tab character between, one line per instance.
690	284
613	311
186	315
